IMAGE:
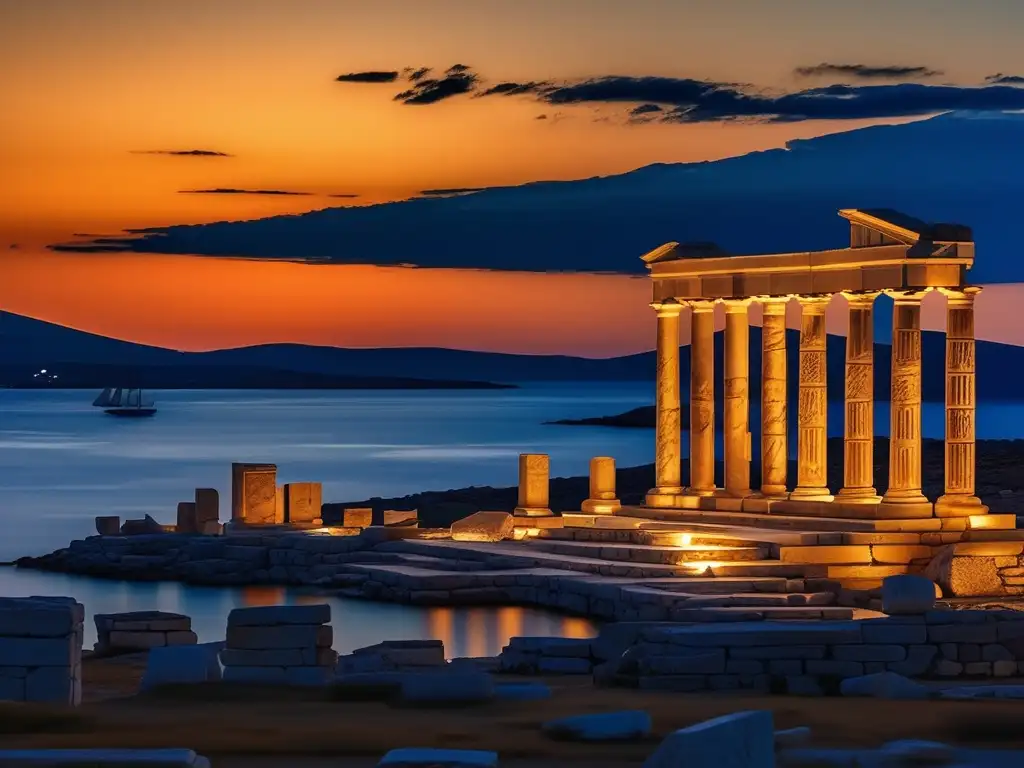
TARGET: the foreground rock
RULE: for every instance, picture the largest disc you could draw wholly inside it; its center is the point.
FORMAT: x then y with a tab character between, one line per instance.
413	757
741	740
41	649
182	665
79	758
629	725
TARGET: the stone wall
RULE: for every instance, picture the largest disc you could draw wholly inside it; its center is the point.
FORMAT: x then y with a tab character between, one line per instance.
142	630
281	644
41	649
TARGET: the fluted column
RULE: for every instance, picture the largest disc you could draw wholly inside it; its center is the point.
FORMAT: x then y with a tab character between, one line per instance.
959	499
737	398
812	418
905	401
859	424
668	437
702	398
774	446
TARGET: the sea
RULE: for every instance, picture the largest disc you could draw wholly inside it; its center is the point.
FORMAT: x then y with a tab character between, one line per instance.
63	462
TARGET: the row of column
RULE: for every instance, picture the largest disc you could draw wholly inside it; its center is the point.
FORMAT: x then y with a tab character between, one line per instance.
812	402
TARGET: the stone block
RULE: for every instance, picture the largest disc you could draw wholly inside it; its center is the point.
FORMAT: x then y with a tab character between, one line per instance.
347	517
549	665
978	668
884	631
947	668
484	526
302	502
143	527
397	517
277	657
211	528
460	687
883	685
38	651
534	476
426	757
962	633
107	758
186	518
140	641
207	501
710	663
967	652
309	676
182	664
835	667
803	685
763	633
779	652
739	740
141	621
254	494
1004	668
918	662
256	675
907	595
108	525
964	576
53	684
783	666
995	652
181	637
285	636
626	725
31	617
869	653
272	615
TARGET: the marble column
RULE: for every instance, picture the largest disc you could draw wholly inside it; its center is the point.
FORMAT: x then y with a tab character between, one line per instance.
905	401
812	404
859	424
702	398
668	437
959	498
737	398
774	445
602	500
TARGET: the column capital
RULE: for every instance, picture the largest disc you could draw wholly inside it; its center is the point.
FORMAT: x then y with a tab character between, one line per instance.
960	297
773	305
667	308
814	304
909	296
703	305
861	299
737	305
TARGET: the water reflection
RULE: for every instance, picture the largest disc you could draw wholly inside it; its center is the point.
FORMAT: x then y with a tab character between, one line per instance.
465	631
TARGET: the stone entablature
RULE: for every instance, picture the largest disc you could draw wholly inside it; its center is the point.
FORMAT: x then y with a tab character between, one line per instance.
889	253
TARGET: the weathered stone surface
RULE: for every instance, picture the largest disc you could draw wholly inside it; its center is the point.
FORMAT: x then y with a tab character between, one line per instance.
207	501
302	502
484	526
459	687
38	617
108	525
271	615
284	636
740	740
36	651
425	757
146	525
627	725
397	517
907	595
883	685
398	654
185	521
964	576
182	664
254	494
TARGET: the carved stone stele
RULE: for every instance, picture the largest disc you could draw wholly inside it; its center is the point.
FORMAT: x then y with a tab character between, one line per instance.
603	500
534	469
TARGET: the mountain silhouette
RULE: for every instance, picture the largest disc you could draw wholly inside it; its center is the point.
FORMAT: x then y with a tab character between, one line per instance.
959	167
27	345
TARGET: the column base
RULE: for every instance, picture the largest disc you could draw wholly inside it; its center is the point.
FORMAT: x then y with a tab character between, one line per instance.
956	505
601	506
812	494
731	493
858	496
532	512
905	497
662	497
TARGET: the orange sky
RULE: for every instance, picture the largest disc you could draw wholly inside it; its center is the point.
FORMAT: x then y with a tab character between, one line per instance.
89	85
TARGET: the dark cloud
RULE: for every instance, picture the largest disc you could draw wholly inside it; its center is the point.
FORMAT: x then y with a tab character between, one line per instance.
368	77
515	89
344	194
234	191
182	152
644	109
450	192
541	117
866	72
617	88
1000	79
458	79
416	75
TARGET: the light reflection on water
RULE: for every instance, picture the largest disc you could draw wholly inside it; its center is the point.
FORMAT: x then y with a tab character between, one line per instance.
481	631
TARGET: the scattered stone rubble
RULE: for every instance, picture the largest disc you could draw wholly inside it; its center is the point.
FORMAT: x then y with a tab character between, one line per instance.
41	649
282	645
141	630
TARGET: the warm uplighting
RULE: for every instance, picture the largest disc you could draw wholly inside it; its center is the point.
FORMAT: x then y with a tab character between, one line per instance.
685	540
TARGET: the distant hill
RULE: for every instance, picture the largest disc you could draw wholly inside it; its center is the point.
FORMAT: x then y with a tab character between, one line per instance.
88	360
961	167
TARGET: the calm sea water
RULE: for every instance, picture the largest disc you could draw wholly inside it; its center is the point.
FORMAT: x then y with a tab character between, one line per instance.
63	462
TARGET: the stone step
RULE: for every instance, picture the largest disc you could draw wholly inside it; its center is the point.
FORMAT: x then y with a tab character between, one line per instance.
636	529
757	613
723	585
666	538
851	511
752	599
842	573
866	554
782	521
648	553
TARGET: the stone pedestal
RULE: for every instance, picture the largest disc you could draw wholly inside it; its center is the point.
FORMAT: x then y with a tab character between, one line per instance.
859	424
254	495
702	399
668	434
603	500
534	469
186	518
812	433
207	506
302	502
774	441
905	402
737	399
959	499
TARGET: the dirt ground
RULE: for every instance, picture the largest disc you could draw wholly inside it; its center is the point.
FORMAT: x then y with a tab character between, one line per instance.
268	727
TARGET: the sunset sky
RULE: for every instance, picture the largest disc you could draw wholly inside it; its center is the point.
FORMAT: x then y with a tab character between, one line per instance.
117	114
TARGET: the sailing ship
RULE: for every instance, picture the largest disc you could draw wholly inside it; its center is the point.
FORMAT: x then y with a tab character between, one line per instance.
120	401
